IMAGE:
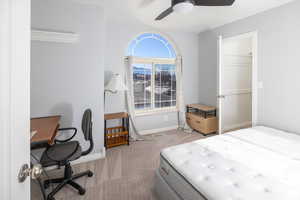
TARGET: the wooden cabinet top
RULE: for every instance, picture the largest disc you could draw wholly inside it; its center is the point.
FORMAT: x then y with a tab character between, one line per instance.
202	107
116	115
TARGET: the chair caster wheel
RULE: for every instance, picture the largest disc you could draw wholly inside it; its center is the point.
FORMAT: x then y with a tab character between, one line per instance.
81	192
50	198
90	174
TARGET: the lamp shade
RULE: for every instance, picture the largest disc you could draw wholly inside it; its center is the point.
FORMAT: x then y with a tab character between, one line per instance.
115	84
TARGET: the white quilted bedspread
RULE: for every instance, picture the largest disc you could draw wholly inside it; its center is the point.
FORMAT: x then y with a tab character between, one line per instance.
251	164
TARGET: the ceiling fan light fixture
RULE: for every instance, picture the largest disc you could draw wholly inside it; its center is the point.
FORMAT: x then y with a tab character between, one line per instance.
183	7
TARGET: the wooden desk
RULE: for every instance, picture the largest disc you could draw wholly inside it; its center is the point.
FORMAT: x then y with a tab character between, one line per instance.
46	128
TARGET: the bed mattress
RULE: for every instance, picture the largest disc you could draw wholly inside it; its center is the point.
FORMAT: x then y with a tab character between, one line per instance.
177	183
258	163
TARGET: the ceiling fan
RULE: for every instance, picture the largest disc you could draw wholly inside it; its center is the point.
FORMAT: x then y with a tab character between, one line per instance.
184	6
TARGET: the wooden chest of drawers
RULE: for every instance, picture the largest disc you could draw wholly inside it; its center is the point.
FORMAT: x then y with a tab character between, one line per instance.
202	119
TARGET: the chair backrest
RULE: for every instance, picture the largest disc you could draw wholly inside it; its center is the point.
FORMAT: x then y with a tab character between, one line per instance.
87	128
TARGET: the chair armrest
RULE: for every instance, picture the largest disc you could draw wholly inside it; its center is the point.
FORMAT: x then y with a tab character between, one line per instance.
68	139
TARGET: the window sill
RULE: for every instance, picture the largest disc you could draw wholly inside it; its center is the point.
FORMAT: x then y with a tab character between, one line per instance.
155	112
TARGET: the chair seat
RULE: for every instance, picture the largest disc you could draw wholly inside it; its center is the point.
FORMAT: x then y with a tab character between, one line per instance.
59	152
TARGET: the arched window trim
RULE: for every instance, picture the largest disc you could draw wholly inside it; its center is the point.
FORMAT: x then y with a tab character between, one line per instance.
167	43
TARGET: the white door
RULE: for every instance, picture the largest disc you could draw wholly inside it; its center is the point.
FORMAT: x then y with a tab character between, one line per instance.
14	97
235	83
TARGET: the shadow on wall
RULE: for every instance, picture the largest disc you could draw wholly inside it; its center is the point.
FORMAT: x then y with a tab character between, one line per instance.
66	111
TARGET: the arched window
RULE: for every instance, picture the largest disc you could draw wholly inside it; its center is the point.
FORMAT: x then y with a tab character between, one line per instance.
151	45
154	73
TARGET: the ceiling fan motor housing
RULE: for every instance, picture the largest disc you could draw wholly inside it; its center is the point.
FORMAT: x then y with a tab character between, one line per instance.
174	2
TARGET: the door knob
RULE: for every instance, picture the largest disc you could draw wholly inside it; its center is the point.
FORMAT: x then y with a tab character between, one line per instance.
34	172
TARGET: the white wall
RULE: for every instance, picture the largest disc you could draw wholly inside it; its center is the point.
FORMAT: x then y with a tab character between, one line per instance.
278	63
68	78
118	36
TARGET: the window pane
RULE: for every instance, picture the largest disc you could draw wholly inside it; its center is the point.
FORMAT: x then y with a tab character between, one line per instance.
142	85
165	79
174	95
149	45
157	88
173	103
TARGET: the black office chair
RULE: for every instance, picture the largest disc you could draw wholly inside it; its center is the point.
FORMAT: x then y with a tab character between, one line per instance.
64	151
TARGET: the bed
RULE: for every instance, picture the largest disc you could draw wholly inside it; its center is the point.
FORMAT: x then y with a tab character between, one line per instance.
258	163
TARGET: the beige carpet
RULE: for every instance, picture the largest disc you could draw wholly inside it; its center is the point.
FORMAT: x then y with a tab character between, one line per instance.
126	173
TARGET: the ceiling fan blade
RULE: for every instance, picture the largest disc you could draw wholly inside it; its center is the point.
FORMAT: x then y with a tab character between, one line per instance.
214	2
165	13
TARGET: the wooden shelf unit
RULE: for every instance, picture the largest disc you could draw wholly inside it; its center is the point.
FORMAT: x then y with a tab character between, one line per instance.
202	118
119	135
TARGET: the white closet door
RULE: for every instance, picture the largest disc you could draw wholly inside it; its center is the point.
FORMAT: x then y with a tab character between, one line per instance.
235	84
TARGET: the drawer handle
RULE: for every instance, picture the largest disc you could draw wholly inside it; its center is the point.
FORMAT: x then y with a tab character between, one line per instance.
188	118
198	122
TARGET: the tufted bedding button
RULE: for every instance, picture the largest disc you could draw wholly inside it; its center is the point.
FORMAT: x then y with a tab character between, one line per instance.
209	155
231	169
258	175
267	190
211	166
236	185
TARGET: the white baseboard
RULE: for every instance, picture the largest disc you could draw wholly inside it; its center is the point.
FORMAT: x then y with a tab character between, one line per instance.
157	130
236	126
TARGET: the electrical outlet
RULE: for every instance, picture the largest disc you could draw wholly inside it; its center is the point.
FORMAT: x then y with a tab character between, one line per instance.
260	85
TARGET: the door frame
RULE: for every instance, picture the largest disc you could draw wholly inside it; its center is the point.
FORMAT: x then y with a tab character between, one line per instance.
14	96
254	36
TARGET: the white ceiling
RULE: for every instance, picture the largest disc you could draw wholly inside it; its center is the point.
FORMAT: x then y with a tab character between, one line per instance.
200	19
